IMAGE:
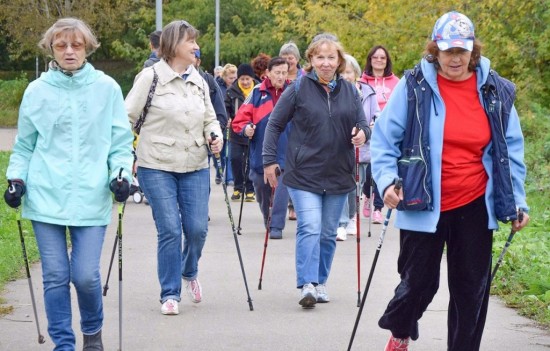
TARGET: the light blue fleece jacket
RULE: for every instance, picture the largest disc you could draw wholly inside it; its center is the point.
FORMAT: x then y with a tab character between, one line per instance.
72	139
389	131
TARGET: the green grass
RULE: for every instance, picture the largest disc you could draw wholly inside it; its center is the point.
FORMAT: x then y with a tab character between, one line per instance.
11	257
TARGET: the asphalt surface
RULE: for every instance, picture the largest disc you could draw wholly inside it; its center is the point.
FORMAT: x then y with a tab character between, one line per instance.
223	320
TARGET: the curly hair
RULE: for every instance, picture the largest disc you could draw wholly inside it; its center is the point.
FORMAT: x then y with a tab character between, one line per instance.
431	53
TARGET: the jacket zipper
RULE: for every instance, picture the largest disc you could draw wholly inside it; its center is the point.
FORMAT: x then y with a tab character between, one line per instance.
421	149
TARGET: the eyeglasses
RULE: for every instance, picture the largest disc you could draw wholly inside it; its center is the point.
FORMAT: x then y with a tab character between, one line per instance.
62	46
184	24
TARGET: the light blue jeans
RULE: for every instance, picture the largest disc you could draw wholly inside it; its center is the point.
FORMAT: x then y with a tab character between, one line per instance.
59	269
317	217
178	201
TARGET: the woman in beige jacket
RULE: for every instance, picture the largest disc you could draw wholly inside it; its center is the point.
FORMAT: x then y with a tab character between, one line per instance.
172	158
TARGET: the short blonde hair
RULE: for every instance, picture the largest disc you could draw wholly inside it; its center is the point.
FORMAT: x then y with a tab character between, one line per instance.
171	35
229	69
325	39
72	26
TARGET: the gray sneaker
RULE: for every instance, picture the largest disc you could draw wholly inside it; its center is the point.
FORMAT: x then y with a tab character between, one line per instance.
93	342
309	296
275	233
322	294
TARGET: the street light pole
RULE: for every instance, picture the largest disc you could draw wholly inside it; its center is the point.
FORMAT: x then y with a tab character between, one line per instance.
217	39
158	7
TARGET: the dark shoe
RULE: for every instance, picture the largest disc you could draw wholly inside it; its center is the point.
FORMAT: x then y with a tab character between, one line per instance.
250	197
218	180
236	195
291	214
275	233
93	342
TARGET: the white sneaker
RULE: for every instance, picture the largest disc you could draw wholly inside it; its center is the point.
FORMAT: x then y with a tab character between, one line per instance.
194	290
170	307
308	297
341	234
322	295
351	228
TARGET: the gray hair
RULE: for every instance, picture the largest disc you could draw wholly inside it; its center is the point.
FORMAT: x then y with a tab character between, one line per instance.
290	48
72	26
350	60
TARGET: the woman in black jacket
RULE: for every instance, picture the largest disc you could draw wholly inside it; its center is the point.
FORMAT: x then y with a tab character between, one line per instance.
325	111
236	94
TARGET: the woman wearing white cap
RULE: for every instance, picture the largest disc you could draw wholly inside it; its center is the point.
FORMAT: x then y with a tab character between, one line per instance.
467	175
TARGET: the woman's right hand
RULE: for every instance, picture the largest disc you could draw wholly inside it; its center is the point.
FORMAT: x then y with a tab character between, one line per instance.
391	197
249	130
270	174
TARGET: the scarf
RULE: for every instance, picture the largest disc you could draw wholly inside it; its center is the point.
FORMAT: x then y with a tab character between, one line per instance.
330	84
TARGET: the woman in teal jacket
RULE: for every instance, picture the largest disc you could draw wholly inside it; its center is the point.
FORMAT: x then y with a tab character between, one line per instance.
467	157
73	141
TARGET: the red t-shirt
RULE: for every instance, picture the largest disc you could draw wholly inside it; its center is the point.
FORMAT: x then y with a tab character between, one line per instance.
466	134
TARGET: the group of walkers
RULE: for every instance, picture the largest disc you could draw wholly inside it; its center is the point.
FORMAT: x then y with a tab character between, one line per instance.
449	131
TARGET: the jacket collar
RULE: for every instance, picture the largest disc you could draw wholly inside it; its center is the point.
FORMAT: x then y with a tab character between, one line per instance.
167	74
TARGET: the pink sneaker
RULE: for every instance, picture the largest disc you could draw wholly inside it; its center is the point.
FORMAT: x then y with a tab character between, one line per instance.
194	290
377	217
366	208
396	344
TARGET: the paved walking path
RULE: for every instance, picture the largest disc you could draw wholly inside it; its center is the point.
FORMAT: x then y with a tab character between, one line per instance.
223	320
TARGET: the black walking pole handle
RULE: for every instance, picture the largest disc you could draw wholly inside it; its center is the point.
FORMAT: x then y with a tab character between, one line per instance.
214	137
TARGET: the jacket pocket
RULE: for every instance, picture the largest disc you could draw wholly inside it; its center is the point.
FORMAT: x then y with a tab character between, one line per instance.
163	148
413	169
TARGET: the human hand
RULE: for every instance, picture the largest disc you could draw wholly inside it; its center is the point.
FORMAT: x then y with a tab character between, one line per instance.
393	194
358	136
15	191
521	222
271	173
120	188
216	144
249	130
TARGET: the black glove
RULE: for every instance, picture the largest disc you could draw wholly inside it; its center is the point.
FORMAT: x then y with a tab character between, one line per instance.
16	189
120	189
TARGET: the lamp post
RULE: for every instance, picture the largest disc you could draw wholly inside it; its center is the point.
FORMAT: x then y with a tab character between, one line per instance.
158	18
217	39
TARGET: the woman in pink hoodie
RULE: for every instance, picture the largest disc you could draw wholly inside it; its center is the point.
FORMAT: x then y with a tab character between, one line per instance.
378	74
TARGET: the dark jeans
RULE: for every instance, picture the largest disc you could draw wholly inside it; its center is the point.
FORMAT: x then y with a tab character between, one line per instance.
469	243
378	201
237	153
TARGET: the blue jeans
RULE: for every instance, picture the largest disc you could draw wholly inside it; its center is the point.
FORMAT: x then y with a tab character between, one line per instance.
317	217
263	196
81	268
178	200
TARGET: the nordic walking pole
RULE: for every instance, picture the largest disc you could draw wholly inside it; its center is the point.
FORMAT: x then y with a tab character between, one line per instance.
119	236
268	228
244	182
41	339
507	245
115	245
371	205
398	184
358	219
224	186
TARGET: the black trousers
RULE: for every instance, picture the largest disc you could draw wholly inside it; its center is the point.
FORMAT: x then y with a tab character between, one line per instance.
237	153
469	243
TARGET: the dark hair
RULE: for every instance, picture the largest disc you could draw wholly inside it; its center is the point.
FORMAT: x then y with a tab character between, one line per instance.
276	61
154	38
368	65
259	64
431	53
171	35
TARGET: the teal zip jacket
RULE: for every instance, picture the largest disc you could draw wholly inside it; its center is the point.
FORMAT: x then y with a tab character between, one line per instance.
73	137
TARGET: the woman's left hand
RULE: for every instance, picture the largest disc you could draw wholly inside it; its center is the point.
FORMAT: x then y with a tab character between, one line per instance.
216	145
517	225
359	139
